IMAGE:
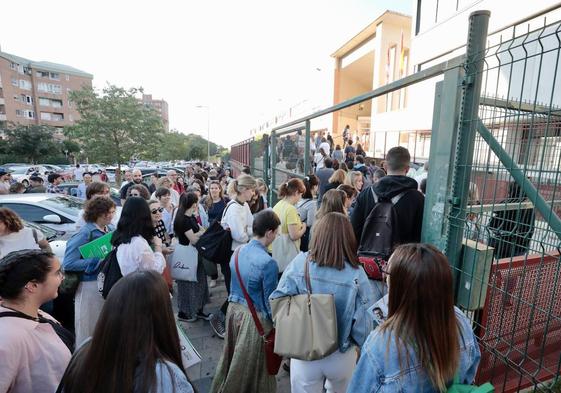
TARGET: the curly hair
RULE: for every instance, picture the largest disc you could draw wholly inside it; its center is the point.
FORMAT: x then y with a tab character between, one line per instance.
10	219
97	207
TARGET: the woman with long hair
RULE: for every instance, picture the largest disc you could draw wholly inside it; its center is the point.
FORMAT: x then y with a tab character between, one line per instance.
191	295
332	201
333	269
14	236
350	194
355	179
291	224
307	208
98	215
134	239
239	220
135	346
422	341
242	366
336	179
32	354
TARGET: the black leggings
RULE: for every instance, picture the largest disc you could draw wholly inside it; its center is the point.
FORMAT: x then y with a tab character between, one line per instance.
225	268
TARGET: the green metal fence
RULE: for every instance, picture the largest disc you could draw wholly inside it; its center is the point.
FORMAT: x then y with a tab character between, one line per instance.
493	197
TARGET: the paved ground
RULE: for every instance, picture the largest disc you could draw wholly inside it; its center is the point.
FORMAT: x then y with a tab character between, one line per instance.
210	347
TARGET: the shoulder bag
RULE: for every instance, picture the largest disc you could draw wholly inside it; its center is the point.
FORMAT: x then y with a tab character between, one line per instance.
284	250
184	262
271	358
306	324
215	244
457	387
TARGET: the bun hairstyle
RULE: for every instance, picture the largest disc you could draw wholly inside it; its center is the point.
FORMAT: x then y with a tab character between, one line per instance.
241	183
19	267
310	182
291	187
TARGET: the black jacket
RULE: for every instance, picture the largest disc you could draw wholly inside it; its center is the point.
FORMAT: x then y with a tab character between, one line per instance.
409	208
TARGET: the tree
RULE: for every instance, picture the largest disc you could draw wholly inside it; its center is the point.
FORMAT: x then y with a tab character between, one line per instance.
30	142
114	126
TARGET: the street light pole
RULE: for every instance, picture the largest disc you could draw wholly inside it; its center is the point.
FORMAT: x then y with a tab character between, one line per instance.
207	130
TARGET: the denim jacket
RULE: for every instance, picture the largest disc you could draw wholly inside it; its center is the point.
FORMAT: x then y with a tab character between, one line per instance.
73	261
350	287
378	369
259	273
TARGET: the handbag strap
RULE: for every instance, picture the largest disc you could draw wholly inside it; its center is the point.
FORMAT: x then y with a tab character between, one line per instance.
258	325
307	276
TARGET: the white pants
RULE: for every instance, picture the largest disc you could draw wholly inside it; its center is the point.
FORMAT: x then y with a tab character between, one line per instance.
333	372
88	303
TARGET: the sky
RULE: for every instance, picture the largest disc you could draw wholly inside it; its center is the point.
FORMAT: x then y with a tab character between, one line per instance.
241	60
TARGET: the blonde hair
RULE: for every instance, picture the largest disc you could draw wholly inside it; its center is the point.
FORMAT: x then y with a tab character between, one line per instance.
351	176
261	183
242	183
163	180
337	177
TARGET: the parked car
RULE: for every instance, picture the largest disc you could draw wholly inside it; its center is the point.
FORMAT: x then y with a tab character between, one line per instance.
59	212
21	173
71	189
56	239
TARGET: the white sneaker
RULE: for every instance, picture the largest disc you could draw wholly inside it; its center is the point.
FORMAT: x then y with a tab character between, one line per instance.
212	283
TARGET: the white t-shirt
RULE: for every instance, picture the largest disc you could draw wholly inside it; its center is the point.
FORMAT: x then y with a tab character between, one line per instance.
22	240
326	148
79	174
138	255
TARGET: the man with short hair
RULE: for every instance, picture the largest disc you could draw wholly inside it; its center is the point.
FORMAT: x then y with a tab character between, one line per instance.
83	186
54	180
128	179
172	175
136	179
78	173
35	185
323	175
359	166
409	208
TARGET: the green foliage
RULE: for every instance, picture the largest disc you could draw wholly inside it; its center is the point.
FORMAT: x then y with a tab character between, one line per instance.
30	143
114	126
177	146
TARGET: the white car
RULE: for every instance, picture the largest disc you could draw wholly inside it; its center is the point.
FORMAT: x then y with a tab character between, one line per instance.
57	239
56	211
21	173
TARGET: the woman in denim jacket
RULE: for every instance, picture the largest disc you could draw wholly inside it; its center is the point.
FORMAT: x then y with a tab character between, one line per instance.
333	269
423	341
242	367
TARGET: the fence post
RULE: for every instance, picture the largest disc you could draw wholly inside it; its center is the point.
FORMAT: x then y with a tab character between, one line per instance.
307	150
273	166
265	143
443	140
469	119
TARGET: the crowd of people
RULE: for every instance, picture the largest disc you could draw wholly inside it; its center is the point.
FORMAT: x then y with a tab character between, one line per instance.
398	331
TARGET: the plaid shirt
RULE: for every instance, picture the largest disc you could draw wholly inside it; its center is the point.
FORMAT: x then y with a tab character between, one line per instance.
51	188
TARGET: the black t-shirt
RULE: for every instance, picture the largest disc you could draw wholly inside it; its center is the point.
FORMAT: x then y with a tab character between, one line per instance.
188	222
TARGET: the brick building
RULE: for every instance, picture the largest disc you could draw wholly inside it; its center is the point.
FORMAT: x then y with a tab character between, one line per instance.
37	92
160	106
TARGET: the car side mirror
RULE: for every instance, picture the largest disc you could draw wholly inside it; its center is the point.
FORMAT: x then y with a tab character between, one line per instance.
52	218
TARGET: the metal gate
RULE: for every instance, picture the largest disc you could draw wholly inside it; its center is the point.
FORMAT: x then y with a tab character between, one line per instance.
495	211
493	191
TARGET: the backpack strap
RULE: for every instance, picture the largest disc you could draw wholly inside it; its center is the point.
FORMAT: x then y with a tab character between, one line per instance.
35	235
226	209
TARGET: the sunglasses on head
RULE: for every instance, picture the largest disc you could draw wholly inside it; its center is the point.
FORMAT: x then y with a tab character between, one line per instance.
158	210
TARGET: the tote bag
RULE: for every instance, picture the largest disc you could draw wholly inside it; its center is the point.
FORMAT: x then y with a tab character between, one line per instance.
184	262
306	325
284	251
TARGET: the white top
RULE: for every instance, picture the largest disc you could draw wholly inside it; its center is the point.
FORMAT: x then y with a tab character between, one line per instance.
319	160
240	221
79	173
22	240
174	196
326	148
138	255
82	191
32	356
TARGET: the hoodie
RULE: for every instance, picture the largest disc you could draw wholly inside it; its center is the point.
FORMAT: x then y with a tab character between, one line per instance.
409	208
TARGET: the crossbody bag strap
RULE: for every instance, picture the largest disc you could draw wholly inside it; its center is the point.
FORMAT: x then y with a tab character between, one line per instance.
226	209
258	325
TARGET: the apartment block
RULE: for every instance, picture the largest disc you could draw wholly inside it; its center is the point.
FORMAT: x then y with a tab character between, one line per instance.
37	92
161	106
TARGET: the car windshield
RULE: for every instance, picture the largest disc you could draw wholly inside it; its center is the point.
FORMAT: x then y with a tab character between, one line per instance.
68	205
19	170
50	234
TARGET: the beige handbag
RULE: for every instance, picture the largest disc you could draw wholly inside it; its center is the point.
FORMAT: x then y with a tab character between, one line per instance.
284	251
306	325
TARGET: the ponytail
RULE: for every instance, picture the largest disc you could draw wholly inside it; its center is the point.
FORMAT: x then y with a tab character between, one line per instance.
291	187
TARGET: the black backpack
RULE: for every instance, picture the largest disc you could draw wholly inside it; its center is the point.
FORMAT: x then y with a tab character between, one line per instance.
380	235
215	244
109	273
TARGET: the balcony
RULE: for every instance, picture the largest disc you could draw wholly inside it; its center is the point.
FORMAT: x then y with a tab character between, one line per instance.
2	101
3	117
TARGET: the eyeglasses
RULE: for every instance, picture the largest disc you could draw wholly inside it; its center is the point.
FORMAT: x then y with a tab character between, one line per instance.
135	194
158	210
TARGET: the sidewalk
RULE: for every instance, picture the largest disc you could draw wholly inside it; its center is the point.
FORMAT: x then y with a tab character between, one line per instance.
210	347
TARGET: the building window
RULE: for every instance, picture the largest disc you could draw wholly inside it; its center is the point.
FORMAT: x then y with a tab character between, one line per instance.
44	101
56	103
2	109
15	82
42	74
25	113
45	116
24	84
57	116
67	77
13	66
55	76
